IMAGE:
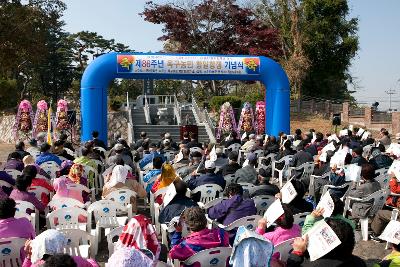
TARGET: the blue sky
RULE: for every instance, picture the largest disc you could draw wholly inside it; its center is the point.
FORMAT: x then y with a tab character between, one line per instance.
377	65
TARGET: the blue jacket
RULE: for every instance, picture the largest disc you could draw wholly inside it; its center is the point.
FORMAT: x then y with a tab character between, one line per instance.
149	176
147	158
44	157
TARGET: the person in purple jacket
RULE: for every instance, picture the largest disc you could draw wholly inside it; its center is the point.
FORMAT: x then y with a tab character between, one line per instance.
199	237
233	208
7	178
14	162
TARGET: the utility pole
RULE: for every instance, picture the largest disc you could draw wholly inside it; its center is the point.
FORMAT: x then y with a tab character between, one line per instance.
390	92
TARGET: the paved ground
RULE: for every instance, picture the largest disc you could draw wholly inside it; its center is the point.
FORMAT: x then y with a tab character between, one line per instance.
370	251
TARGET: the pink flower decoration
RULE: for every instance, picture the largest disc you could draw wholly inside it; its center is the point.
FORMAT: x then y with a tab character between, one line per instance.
62	105
42	105
25	106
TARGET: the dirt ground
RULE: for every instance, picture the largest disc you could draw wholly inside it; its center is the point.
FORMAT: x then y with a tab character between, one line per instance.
5	149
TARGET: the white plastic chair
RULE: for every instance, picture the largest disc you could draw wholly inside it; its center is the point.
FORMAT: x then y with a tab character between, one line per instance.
381	171
121	196
215	257
259	153
379	199
241	156
70	152
247	187
10	251
169	155
50	167
115	233
383	180
62	158
90	171
250	222
5	184
164	234
212	203
262	203
299	218
153	197
229	178
80	243
328	186
68	218
313	178
255	188
31	218
196	149
393	217
233	148
99	148
261	160
64	202
39	191
147	168
24	207
81	188
308	169
367	151
282	173
13	173
208	192
105	215
284	249
100	165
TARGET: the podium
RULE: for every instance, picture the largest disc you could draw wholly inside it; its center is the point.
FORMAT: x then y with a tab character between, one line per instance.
190	129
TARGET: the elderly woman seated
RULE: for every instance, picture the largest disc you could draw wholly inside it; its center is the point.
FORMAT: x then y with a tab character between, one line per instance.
75	176
199	237
368	185
47	244
118	180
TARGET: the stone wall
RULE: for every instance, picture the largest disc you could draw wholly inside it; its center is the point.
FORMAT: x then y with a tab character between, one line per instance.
6	128
117	123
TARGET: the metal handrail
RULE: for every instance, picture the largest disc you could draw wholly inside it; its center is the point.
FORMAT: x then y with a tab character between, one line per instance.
205	119
177	111
146	110
196	110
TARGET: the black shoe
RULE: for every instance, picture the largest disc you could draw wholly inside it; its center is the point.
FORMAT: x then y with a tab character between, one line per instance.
375	238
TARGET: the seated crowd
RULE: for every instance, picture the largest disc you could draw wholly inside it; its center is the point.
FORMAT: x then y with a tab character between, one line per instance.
235	181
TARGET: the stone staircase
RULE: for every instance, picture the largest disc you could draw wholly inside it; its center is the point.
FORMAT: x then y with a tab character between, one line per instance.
154	131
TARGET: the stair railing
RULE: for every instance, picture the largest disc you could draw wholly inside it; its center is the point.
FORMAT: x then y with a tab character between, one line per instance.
146	109
177	111
203	118
196	110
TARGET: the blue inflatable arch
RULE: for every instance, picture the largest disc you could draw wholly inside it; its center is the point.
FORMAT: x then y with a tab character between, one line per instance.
105	68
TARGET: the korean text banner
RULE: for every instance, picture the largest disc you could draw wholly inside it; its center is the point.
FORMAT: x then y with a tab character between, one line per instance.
169	64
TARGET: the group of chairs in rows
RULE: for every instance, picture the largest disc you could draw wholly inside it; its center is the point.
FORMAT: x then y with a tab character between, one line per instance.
75	219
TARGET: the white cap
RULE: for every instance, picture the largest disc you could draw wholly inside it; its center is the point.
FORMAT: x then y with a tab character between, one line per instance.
209	164
252	136
167	135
